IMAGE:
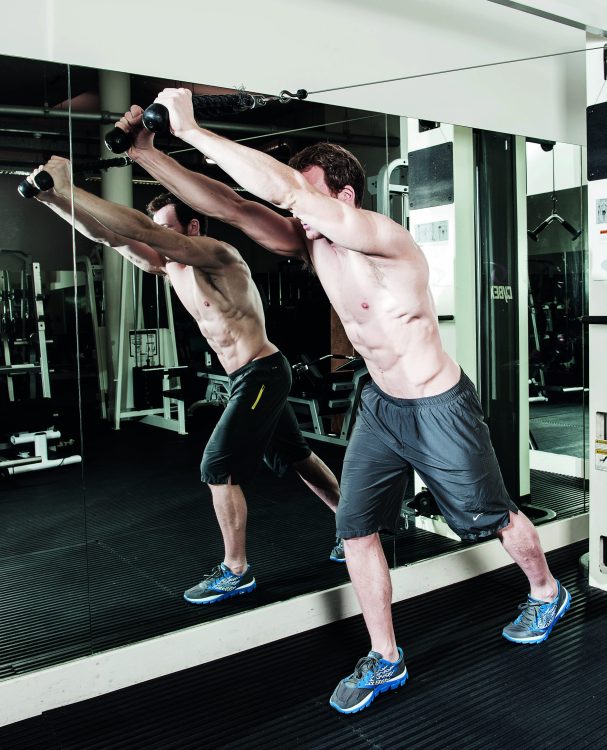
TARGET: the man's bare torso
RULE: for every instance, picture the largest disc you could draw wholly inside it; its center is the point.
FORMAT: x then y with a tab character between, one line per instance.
227	309
388	313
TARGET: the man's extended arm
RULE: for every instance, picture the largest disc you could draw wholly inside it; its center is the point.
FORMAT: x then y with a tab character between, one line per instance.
140	231
210	197
138	253
262	175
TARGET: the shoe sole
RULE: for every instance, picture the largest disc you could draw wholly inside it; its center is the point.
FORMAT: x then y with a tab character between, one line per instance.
220	597
383	688
540	639
337	559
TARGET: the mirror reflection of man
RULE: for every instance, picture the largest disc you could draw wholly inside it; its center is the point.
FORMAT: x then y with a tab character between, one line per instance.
215	286
419	410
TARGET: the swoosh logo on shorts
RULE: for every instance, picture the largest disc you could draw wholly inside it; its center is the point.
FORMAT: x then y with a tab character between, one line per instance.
478	515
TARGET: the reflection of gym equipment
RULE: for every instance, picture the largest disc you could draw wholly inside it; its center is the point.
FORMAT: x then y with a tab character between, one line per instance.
32	431
156	116
92	274
556	346
23	327
557	367
216	393
318	399
535	233
537	380
426	514
39	460
392	191
43	180
148	386
553	216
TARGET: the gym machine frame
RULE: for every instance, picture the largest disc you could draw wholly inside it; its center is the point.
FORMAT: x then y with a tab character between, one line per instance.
171	415
346	400
10	369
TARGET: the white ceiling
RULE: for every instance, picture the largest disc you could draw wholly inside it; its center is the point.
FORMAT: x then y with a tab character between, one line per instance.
323	45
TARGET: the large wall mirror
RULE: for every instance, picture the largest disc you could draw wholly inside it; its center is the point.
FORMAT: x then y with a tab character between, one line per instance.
43	555
118	538
558	341
149	413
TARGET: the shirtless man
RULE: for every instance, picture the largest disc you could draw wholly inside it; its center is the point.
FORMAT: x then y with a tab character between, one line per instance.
419	400
215	286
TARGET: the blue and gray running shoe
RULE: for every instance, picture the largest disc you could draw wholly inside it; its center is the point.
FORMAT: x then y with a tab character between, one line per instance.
372	675
537	618
220	584
337	553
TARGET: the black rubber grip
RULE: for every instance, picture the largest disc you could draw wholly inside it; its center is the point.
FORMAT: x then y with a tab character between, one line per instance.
118	141
43	181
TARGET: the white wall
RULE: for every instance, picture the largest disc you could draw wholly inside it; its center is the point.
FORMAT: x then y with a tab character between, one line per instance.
597	243
269	45
569	168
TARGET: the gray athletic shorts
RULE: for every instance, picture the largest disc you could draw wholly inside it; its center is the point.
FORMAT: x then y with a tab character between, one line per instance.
445	439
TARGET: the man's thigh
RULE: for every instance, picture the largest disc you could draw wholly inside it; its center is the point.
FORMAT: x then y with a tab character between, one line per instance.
373	484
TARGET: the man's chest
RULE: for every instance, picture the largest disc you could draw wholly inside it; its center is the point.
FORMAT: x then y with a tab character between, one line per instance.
200	293
350	279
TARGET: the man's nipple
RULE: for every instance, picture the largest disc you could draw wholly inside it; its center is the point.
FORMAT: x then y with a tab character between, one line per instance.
207	303
364	305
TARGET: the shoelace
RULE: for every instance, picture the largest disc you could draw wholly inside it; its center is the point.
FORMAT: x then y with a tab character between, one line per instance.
528	616
217	572
364	665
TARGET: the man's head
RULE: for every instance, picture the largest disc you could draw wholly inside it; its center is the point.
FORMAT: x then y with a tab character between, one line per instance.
343	174
168	211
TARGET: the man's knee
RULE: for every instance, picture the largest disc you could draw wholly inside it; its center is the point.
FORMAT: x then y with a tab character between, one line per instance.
216	470
220	490
519	529
221	486
517	521
356	543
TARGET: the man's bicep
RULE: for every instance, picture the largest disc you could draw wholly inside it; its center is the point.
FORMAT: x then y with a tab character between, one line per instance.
204	252
139	253
174	245
379	235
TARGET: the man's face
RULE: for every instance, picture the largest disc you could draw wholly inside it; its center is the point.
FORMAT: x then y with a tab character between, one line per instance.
167	217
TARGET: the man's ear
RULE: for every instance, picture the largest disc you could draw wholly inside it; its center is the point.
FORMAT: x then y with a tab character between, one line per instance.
193	228
347	194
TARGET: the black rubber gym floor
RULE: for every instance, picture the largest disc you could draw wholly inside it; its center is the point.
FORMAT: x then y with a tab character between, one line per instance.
560	427
151	534
469	689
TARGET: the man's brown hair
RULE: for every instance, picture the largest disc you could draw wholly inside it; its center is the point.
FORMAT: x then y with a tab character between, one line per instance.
184	213
340	166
